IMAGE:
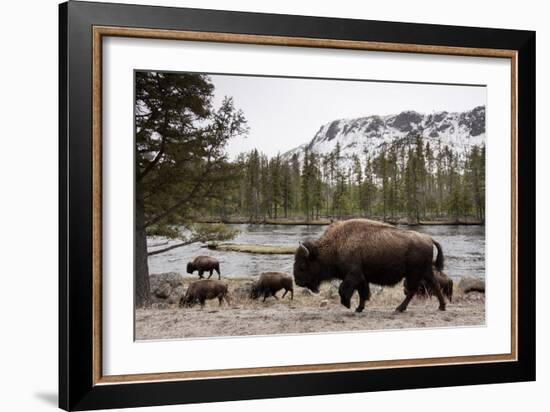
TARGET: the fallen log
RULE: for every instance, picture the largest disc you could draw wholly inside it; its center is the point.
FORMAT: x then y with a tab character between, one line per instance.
252	248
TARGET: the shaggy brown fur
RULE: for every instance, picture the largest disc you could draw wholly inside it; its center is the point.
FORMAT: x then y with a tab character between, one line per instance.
202	290
204	264
270	283
425	289
361	251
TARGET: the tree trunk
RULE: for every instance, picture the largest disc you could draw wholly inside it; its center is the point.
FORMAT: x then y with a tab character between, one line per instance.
143	288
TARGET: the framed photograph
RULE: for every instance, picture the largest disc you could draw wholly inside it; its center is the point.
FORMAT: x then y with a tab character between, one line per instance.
256	205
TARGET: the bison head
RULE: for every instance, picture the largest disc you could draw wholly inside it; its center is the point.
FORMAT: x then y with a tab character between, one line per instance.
187	301
254	291
308	270
183	302
190	268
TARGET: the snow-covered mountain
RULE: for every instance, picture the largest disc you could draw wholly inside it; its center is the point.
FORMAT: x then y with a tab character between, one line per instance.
373	134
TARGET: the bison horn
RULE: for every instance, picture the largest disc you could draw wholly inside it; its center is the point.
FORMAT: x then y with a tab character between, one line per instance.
305	249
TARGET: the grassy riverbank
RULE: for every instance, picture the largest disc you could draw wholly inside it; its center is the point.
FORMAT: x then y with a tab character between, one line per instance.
306	313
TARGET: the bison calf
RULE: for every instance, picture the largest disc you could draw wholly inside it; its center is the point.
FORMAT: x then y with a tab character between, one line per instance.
425	289
270	283
202	290
204	264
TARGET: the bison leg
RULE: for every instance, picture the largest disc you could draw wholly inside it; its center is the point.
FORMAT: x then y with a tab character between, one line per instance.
364	294
346	289
412	287
217	269
430	278
202	302
354	280
403	306
284	294
211	271
275	295
200	273
450	290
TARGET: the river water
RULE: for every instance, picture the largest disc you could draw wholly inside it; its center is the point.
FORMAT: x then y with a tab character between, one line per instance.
463	247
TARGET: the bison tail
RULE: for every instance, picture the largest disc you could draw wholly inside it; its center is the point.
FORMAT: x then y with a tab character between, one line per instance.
439	260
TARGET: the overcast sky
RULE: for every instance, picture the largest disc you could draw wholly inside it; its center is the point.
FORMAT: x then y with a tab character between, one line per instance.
283	113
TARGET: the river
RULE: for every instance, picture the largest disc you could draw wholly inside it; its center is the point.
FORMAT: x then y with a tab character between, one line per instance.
463	247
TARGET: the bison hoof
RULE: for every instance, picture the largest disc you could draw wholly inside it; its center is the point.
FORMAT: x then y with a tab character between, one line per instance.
346	304
400	309
442	308
359	310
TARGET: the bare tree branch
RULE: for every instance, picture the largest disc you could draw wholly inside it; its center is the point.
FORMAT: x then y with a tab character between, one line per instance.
166	249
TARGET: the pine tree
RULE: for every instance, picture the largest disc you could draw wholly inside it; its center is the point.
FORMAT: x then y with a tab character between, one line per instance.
369	188
430	180
296	183
441	179
306	181
383	174
420	179
410	187
316	185
454	203
276	184
286	188
180	159
356	185
393	182
253	185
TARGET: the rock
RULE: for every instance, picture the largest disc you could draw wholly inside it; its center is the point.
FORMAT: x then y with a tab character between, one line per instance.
172	278
332	292
163	291
471	284
323	303
176	294
166	287
475	297
307	292
179	291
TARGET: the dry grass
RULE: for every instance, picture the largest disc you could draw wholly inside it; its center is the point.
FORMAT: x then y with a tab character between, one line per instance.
307	313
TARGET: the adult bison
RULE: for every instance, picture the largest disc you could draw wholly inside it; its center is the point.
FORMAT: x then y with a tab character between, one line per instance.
204	264
361	251
202	290
270	283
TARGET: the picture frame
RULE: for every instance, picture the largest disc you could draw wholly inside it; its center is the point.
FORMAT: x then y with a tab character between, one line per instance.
82	29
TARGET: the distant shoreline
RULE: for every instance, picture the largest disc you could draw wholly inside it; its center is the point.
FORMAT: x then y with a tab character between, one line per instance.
326	221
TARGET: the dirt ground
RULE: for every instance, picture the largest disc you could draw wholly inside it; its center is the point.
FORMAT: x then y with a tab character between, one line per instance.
306	313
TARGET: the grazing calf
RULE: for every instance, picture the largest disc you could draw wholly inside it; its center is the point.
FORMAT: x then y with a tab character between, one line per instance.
426	290
202	290
204	264
270	283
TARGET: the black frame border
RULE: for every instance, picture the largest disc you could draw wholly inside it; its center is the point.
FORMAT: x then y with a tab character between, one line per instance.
76	388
